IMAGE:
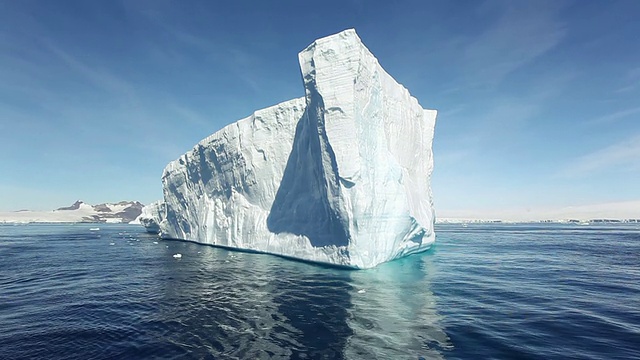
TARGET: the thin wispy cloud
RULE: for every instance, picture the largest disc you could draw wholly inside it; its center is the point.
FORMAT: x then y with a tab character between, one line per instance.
634	73
626	89
631	81
524	32
624	155
100	78
242	63
615	116
198	42
189	115
506	118
24	74
451	111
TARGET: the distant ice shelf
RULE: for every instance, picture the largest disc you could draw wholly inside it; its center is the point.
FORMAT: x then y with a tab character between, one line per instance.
340	176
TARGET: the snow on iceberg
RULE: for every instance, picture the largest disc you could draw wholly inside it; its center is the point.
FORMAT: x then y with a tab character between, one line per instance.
341	176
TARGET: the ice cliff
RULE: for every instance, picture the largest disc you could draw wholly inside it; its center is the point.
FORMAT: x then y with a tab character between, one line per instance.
341	176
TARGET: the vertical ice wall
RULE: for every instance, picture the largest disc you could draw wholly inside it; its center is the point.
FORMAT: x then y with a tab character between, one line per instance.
379	144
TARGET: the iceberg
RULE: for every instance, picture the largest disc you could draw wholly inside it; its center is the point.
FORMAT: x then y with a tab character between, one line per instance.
151	216
339	176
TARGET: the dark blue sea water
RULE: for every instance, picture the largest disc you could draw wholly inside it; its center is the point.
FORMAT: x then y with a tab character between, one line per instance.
483	292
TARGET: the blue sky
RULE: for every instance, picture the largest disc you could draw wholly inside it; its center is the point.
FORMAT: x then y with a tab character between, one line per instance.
538	100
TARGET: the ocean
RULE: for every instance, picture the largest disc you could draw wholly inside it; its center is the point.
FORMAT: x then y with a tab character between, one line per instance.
484	291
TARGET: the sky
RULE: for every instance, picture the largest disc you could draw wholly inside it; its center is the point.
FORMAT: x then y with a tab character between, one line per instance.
539	101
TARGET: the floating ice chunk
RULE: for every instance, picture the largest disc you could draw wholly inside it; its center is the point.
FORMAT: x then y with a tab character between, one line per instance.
177	256
155	242
362	291
94	229
112	243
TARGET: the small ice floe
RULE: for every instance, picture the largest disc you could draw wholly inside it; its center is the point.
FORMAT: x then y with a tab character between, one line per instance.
155	242
198	252
112	244
177	256
94	229
362	291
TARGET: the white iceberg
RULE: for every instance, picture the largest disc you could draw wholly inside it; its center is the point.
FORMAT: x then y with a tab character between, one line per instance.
341	176
151	217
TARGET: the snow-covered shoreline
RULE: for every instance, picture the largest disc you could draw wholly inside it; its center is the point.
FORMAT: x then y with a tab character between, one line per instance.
123	212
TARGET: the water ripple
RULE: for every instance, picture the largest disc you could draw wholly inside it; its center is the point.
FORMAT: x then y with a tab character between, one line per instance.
485	291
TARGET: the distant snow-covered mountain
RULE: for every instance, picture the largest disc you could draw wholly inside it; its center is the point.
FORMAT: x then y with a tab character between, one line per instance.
122	212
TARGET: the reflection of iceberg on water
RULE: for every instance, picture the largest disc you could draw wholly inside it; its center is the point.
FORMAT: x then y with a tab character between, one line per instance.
246	306
396	318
